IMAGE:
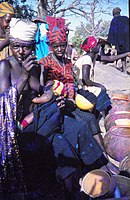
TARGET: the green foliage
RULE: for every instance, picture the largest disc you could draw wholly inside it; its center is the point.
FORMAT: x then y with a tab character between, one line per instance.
77	40
81	33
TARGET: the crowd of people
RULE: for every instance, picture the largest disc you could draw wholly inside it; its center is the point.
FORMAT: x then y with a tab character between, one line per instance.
48	135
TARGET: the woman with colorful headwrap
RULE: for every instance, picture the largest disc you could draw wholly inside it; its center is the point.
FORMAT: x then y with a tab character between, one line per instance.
6	13
58	67
84	72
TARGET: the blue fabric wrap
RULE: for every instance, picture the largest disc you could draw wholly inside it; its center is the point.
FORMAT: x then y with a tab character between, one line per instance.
103	101
42	48
80	137
119	33
47	123
72	146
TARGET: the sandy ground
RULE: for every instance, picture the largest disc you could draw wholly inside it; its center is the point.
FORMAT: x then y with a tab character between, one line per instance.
113	79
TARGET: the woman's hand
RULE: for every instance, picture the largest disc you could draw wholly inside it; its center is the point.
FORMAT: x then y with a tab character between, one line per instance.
29	63
60	101
7	34
47	96
70	102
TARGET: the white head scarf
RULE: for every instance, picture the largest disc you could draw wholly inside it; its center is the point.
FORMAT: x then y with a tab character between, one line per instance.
22	29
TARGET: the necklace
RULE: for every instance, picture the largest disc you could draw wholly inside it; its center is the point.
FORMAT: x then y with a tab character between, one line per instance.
59	63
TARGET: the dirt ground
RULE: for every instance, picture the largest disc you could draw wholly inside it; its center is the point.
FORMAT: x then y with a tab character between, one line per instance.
112	78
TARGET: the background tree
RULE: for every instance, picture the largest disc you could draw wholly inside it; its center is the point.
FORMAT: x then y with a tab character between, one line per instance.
90	11
85	30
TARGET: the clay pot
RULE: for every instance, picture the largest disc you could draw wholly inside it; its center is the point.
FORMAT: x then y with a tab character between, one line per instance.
117	142
98	183
121	96
120	102
124	165
124	185
112	117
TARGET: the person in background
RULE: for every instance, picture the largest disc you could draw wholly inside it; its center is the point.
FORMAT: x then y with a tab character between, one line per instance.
6	13
119	35
84	71
71	53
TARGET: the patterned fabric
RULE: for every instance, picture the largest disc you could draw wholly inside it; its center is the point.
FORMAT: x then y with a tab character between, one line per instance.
5	52
63	74
10	164
57	35
90	43
6	8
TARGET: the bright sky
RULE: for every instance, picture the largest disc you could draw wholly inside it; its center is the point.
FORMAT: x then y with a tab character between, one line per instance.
123	4
75	21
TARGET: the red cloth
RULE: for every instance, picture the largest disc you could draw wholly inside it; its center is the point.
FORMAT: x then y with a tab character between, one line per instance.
60	22
90	43
55	22
51	21
63	74
58	35
24	123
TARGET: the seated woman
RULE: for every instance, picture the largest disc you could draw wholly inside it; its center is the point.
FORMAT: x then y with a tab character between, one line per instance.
84	72
57	67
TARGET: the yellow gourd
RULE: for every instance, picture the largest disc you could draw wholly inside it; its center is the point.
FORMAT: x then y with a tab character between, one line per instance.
83	103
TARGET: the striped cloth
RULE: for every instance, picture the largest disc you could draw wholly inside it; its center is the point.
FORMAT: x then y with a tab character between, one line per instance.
53	71
6	8
57	35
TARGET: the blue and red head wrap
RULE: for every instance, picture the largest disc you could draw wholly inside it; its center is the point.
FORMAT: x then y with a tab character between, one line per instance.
89	43
57	35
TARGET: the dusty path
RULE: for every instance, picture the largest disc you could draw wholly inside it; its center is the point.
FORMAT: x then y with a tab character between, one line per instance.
113	79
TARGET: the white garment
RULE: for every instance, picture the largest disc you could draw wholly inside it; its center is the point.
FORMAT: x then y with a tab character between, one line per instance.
85	60
43	29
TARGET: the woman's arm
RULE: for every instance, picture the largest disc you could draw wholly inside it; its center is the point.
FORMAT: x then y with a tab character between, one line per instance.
30	73
5	75
3	44
86	77
114	57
